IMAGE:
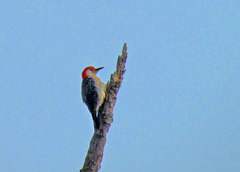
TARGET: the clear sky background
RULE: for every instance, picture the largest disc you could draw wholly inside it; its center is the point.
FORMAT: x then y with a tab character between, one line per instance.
178	108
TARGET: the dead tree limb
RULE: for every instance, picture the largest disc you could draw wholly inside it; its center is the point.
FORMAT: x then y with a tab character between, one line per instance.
95	152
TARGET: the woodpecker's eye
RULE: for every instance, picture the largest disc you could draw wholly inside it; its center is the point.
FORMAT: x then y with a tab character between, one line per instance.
91	69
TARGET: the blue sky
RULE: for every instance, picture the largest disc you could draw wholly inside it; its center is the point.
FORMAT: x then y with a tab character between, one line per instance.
177	109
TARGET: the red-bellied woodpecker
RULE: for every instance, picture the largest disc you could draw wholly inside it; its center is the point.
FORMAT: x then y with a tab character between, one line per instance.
93	92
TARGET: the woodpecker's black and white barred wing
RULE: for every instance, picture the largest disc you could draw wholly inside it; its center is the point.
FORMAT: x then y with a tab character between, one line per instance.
89	94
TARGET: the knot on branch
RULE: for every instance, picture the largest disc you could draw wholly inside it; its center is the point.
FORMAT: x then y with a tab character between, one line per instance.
107	117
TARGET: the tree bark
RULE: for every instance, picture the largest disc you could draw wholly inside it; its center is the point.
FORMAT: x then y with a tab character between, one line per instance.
95	152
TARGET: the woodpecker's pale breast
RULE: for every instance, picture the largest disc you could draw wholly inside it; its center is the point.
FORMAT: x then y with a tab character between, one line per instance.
101	90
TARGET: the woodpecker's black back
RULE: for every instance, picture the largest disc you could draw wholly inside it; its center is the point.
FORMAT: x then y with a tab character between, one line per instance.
90	97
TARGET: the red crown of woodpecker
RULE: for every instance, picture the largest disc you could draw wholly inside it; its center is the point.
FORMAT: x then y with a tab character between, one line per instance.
94	70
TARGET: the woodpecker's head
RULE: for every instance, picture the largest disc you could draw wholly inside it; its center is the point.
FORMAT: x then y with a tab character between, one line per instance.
90	71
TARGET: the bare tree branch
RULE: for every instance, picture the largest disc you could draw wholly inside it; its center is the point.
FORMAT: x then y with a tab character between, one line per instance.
95	151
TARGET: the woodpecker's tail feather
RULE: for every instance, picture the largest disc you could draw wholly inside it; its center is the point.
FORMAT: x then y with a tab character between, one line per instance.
96	123
95	120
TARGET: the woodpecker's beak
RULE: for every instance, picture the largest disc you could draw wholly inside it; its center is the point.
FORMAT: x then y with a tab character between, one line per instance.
99	68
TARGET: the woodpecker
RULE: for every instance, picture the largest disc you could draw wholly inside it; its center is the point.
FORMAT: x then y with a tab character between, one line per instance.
93	92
